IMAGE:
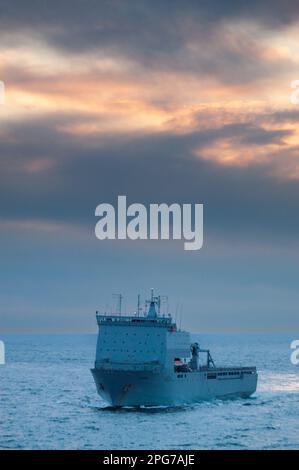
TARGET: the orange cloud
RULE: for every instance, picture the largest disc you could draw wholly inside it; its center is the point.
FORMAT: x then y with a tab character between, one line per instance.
100	94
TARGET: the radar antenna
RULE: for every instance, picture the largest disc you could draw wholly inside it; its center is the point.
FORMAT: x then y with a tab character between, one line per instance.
153	302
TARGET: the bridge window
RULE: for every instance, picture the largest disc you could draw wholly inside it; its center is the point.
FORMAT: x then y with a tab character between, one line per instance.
212	376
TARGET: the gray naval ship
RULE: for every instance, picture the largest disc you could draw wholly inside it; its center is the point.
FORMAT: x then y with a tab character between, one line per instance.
146	360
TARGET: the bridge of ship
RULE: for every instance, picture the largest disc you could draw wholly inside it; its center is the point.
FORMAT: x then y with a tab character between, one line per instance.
131	320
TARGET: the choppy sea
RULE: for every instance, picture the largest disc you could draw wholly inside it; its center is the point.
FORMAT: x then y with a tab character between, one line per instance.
48	400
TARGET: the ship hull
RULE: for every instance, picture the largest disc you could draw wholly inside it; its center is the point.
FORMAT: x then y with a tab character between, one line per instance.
146	388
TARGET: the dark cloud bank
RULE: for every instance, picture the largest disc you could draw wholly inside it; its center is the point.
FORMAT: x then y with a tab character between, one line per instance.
147	168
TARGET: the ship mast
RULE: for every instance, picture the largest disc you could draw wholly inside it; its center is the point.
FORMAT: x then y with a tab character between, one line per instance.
138	305
152	313
120	299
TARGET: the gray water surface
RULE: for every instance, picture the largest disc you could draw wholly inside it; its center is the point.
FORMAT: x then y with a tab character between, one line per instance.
48	400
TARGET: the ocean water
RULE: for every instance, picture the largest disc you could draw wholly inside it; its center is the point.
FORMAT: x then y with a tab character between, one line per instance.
48	400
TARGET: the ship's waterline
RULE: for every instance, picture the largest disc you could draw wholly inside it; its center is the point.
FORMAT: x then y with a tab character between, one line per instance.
149	361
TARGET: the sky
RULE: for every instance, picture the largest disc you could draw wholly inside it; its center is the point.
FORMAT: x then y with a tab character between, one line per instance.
161	101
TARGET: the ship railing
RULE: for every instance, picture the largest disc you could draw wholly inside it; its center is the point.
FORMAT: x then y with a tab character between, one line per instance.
153	366
135	320
228	369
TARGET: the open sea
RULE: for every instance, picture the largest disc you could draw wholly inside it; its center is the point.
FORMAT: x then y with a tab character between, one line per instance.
48	400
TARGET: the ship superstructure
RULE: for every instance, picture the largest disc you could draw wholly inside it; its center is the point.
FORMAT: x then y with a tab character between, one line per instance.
147	360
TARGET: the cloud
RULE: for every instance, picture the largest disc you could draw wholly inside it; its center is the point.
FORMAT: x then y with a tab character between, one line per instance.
231	40
163	102
110	98
56	177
